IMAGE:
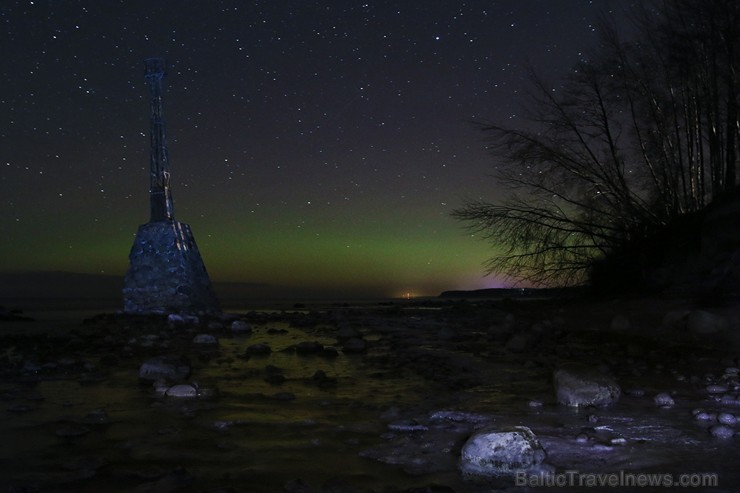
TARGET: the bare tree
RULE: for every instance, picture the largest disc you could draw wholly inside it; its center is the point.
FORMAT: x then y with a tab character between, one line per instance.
640	134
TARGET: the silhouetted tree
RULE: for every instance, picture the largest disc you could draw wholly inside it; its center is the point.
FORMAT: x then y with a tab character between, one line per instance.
643	132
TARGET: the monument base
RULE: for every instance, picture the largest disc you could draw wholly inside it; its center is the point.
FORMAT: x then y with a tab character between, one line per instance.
166	273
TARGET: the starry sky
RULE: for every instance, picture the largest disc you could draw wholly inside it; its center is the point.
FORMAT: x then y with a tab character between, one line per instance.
313	144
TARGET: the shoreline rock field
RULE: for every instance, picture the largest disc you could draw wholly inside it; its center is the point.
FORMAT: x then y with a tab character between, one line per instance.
408	396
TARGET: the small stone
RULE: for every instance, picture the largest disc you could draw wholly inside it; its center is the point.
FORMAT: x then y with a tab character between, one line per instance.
535	403
240	327
727	418
205	339
704	416
182	391
722	432
664	400
717	389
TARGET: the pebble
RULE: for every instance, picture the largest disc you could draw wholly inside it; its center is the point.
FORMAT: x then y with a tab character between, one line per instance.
664	400
240	327
704	416
205	339
722	431
183	391
717	389
727	418
259	349
535	403
582	438
730	400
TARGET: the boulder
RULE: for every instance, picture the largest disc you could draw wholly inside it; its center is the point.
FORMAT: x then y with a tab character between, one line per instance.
493	453
580	386
259	349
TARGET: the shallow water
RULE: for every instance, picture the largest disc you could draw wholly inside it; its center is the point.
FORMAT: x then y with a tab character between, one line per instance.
252	436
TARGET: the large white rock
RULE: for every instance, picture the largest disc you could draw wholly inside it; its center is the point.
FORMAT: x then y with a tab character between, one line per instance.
579	386
492	452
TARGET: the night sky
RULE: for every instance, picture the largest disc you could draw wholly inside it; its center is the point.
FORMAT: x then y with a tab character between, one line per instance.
318	144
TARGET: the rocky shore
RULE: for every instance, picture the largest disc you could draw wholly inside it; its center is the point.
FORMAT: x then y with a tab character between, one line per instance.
440	395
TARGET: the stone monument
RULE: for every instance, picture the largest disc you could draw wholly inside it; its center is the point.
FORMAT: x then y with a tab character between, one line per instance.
166	273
